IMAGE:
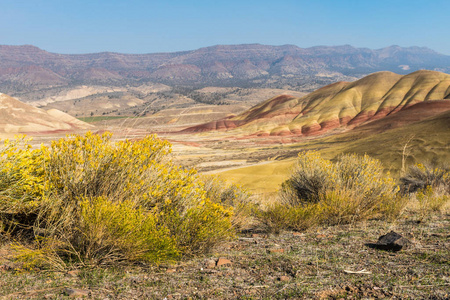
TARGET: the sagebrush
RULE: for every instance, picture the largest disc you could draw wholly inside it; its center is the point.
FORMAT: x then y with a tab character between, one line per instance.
94	201
421	176
322	192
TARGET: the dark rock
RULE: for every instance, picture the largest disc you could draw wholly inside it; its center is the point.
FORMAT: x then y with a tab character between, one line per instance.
390	242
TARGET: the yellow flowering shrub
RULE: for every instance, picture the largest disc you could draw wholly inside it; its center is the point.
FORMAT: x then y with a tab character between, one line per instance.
431	200
233	197
21	176
114	231
420	176
322	192
203	226
311	177
100	196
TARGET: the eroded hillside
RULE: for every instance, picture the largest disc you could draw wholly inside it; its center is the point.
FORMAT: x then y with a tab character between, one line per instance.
339	105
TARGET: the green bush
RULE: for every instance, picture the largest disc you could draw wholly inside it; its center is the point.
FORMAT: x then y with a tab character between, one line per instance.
77	193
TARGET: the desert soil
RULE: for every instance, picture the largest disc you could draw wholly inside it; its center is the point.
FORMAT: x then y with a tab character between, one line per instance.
321	263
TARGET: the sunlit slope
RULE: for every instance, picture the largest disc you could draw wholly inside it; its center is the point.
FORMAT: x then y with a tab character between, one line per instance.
339	105
261	178
424	141
18	117
387	139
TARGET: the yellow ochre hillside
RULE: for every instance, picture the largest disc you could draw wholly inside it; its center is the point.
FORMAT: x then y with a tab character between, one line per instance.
339	105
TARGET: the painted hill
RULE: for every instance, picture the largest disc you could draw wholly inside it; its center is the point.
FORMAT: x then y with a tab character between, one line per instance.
18	117
427	140
339	105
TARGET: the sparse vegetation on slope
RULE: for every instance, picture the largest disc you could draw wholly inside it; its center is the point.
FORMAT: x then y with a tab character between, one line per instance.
28	67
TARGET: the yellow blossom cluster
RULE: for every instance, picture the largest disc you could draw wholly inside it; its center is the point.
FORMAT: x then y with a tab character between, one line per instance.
320	191
110	194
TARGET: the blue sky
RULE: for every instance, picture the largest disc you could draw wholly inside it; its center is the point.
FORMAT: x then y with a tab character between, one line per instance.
138	26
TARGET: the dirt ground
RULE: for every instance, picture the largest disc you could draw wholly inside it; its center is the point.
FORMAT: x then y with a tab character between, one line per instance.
322	263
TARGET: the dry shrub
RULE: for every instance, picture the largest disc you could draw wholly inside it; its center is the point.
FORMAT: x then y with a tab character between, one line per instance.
233	197
203	226
319	191
311	177
277	217
428	186
99	201
42	253
420	176
430	200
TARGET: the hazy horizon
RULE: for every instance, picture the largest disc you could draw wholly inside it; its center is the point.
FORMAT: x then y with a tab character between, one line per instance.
185	50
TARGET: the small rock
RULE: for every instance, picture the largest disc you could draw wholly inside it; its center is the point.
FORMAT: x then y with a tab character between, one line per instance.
174	296
73	273
77	292
223	262
390	242
275	250
210	263
284	278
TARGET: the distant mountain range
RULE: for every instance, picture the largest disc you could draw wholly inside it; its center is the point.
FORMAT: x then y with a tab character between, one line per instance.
24	68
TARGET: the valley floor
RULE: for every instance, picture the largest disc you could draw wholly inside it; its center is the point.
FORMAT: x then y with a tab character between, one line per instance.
313	264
